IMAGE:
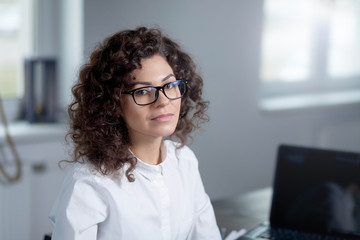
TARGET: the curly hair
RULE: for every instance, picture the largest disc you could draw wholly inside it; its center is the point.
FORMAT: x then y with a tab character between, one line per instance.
97	129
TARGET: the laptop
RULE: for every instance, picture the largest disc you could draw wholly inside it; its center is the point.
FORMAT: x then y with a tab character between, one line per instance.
316	195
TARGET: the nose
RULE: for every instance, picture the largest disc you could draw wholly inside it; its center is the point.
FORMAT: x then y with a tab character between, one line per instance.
162	99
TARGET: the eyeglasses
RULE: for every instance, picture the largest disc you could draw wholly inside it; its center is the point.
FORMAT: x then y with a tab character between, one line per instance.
148	95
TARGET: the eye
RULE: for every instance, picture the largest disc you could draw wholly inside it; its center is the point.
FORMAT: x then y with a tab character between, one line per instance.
171	85
142	92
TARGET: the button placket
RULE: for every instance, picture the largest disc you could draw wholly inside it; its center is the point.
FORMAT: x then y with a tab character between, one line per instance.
164	204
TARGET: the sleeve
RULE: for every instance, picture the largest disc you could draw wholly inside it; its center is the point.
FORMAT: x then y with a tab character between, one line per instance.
205	226
78	210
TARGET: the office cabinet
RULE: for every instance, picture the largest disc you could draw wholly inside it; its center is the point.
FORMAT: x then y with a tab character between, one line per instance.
25	204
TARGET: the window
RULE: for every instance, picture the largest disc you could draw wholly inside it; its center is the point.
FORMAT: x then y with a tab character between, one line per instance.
310	47
15	44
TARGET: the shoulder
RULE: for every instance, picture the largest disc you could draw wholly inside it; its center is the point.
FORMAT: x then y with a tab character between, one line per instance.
82	192
83	179
173	148
184	155
83	172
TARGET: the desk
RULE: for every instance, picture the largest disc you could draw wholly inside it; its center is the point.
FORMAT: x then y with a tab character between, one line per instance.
243	211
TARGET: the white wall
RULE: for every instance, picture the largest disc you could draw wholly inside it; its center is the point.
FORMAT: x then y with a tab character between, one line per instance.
237	148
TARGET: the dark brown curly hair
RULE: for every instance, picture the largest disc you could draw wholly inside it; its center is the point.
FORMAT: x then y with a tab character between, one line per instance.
97	129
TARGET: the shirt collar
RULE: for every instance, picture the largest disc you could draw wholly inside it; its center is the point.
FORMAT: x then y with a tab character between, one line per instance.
150	172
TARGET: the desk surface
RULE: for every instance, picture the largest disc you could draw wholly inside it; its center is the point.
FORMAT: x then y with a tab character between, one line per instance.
243	211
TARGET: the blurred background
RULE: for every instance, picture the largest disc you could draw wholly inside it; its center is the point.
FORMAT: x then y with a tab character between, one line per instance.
275	71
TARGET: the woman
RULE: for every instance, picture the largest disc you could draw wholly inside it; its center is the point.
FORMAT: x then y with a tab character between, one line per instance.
137	89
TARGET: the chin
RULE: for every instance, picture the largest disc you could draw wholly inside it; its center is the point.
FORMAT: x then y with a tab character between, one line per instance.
165	132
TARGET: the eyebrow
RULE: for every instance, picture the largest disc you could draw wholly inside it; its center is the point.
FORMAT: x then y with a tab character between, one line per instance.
149	83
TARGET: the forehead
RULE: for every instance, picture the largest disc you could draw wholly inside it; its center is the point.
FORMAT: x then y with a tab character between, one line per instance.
152	69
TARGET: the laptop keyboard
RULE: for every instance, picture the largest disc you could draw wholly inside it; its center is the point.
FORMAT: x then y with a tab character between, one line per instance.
286	234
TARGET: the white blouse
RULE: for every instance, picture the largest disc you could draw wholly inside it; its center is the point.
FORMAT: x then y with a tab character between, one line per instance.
166	201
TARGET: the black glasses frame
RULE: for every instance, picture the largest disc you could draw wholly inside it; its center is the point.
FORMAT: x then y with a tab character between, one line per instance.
157	91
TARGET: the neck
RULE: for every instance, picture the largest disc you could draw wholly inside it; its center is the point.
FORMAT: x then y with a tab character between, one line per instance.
148	151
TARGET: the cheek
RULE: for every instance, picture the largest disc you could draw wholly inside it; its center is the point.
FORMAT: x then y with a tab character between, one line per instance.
179	108
132	115
129	112
177	105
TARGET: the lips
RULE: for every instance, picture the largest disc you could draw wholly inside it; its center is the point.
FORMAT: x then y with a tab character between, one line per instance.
163	117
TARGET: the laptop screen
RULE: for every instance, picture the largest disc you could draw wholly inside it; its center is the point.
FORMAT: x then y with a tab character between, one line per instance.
316	190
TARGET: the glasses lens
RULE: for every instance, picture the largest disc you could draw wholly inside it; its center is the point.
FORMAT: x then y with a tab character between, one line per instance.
148	95
174	90
145	95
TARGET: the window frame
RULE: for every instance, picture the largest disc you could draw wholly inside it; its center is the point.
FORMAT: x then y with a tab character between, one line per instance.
319	83
13	105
